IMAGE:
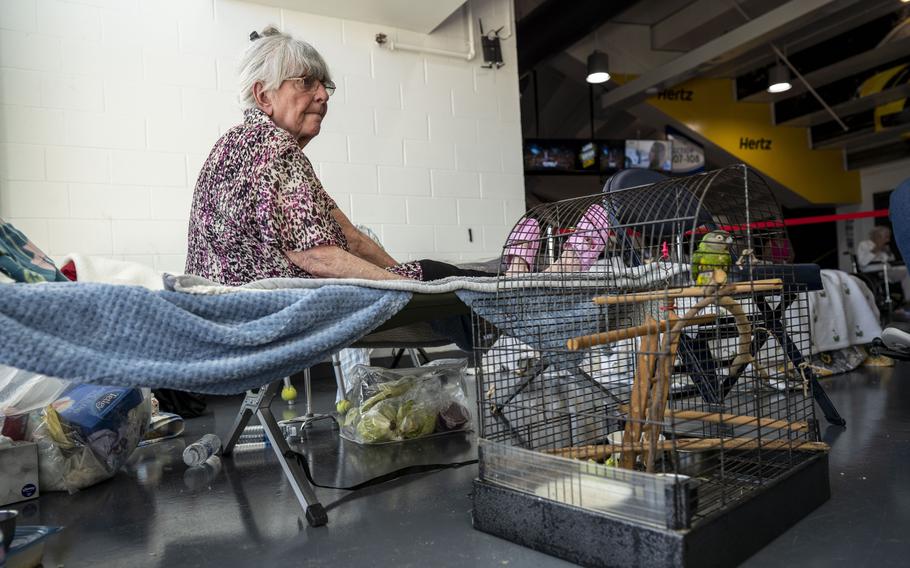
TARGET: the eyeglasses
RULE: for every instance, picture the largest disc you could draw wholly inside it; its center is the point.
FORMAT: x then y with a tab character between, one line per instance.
311	84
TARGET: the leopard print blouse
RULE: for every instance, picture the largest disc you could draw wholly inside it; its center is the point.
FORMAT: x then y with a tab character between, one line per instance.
257	196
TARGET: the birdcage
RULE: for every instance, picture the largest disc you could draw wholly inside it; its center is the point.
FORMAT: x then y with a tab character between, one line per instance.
642	389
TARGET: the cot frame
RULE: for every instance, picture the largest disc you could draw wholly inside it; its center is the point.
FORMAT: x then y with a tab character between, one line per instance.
422	308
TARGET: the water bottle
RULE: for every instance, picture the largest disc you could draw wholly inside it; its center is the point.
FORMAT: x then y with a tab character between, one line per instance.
201	450
254	434
253	430
245	456
201	476
251	447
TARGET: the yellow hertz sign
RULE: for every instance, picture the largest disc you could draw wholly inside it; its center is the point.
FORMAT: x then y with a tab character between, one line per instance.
745	130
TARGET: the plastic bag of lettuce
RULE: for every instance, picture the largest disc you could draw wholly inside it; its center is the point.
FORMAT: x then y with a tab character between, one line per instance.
395	405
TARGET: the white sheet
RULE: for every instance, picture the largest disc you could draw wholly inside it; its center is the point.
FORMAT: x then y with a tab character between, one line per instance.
602	274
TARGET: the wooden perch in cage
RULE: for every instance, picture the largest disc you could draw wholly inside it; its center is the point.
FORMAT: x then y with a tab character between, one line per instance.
641	386
662	378
744	355
648	328
770	285
604	451
731	419
744	328
651	385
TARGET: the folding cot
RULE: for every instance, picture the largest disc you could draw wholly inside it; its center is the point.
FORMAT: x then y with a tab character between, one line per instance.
408	328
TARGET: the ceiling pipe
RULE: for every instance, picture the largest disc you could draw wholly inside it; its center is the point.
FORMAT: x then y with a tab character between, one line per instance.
384	40
796	72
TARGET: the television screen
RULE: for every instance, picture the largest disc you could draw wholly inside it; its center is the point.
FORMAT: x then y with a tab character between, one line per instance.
612	155
688	155
587	156
550	155
649	154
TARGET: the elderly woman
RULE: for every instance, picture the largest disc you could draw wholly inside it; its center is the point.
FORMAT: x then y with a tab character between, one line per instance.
873	254
260	211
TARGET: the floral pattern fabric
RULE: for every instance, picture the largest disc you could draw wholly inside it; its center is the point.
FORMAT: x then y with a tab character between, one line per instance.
258	196
22	261
843	314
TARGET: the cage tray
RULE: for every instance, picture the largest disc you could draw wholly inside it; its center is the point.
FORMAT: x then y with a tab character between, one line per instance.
595	539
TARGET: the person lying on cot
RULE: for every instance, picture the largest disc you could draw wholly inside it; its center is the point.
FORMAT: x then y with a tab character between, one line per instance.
260	211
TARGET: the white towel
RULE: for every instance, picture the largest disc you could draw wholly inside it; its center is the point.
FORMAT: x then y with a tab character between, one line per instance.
110	271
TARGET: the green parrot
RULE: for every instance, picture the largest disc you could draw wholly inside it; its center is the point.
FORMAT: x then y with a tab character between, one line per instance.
713	252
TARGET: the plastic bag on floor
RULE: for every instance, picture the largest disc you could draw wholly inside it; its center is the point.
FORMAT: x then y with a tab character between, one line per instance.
87	434
22	392
348	359
395	405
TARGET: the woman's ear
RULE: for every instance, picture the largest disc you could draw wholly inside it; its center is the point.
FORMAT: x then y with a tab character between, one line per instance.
263	98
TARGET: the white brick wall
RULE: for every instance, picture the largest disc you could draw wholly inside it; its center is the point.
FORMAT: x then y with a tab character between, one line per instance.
108	109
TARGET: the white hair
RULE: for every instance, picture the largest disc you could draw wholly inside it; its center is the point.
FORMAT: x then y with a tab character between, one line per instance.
879	231
273	57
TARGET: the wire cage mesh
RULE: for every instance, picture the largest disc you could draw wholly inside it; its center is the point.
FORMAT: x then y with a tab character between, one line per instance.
641	352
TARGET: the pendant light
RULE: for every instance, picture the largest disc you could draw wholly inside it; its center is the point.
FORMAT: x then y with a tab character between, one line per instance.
598	67
779	79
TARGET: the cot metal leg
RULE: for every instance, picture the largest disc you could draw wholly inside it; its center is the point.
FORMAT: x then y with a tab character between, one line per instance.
339	374
396	358
415	353
775	326
257	402
701	369
310	417
249	406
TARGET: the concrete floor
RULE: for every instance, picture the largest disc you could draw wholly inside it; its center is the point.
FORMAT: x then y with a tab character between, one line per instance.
245	515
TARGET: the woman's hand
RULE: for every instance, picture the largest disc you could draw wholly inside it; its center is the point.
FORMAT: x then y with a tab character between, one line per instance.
335	262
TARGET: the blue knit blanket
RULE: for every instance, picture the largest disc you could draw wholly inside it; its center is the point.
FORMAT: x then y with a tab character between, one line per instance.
227	340
219	344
